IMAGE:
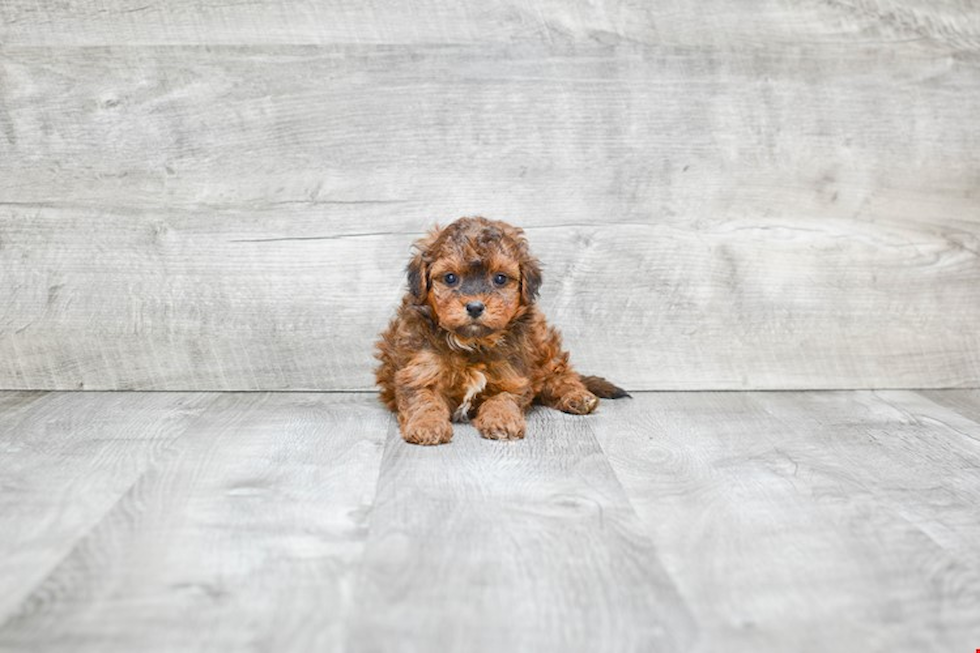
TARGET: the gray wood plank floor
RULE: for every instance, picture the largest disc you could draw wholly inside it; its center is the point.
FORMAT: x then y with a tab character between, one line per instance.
773	521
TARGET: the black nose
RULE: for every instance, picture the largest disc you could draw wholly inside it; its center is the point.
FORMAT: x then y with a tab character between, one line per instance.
475	309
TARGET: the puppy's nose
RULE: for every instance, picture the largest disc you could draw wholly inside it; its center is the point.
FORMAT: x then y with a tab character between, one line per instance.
475	309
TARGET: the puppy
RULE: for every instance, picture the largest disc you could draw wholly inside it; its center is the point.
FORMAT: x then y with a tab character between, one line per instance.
468	341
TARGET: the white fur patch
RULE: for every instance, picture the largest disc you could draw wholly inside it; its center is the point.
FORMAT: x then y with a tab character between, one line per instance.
475	385
456	343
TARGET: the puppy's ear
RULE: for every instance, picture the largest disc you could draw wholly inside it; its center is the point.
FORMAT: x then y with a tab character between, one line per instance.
417	276
418	265
530	279
530	266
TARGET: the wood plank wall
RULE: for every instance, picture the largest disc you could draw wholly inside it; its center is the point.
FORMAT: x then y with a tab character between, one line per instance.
725	194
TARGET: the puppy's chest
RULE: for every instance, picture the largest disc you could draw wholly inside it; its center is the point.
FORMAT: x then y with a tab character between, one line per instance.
471	385
473	382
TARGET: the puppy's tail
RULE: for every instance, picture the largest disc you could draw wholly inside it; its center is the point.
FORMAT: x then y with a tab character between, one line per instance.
602	388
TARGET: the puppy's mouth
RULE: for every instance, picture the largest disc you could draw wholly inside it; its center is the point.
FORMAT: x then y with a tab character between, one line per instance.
474	330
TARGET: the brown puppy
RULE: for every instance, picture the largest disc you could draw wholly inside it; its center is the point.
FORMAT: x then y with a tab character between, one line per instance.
468	341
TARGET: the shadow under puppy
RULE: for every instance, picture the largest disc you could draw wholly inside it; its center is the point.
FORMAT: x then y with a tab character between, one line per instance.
469	342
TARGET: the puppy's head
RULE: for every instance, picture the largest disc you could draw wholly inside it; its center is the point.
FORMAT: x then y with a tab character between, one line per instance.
475	275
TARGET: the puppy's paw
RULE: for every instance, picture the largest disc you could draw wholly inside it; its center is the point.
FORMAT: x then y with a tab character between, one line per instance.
427	430
578	403
500	424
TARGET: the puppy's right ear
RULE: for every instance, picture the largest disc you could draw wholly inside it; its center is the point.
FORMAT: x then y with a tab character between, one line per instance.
418	276
418	265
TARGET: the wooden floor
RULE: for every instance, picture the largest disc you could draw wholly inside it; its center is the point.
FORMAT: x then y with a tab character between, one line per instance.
772	521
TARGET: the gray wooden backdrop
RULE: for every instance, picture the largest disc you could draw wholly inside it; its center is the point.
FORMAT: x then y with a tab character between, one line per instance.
726	194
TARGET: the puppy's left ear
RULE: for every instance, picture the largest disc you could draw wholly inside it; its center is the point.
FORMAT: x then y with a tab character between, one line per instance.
530	279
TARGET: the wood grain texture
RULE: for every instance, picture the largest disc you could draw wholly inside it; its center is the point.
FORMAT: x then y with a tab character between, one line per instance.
965	402
519	546
721	306
383	22
812	522
243	537
808	521
65	462
725	195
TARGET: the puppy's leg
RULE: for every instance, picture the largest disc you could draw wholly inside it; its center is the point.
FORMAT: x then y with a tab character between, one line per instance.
561	386
566	392
425	419
423	413
501	417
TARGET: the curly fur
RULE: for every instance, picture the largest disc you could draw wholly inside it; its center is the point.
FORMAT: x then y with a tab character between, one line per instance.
440	363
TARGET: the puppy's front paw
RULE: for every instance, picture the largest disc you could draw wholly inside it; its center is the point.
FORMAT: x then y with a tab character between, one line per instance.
578	403
427	430
495	424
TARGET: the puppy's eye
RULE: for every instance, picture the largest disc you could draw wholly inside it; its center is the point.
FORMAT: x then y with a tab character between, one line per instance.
499	279
450	279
